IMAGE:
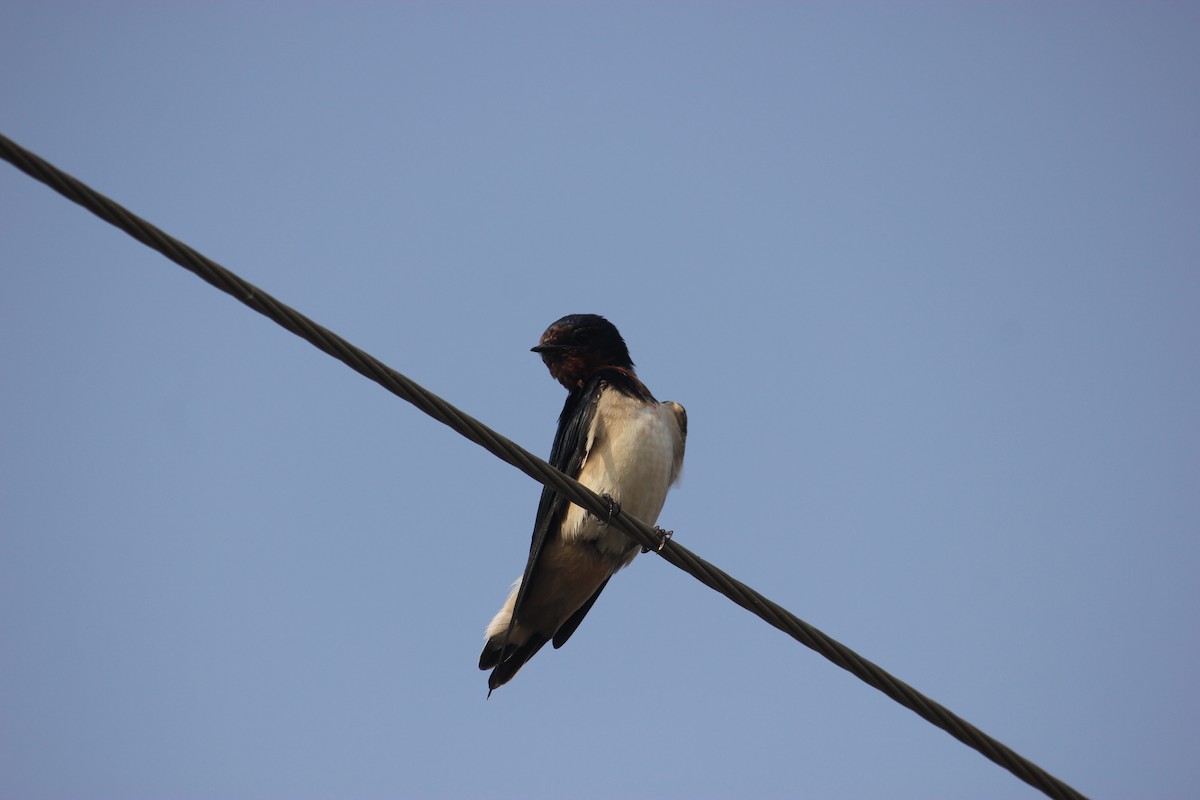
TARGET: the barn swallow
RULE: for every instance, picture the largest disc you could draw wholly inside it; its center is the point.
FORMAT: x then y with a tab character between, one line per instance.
617	440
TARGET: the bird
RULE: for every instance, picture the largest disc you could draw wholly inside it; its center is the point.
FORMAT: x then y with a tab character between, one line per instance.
613	437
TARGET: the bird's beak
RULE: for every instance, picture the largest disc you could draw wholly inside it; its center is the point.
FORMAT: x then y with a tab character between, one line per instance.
546	348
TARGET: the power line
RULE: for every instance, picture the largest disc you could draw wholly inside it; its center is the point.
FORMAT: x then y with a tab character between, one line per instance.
507	450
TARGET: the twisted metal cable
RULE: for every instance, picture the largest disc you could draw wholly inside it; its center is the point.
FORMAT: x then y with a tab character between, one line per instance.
512	453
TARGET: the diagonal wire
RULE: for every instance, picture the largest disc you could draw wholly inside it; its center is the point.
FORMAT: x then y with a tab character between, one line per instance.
534	467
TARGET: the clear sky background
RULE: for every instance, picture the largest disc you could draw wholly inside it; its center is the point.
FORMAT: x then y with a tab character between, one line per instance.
925	276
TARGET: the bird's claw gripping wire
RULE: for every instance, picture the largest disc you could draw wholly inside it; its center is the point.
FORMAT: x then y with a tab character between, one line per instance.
614	508
662	539
614	511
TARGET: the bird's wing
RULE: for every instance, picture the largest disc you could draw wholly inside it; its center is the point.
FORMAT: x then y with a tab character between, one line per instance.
567	628
680	417
571	444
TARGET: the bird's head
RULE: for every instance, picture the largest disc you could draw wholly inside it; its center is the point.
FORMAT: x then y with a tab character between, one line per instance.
576	346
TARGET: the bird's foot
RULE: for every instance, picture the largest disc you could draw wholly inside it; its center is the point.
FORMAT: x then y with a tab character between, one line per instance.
662	539
614	508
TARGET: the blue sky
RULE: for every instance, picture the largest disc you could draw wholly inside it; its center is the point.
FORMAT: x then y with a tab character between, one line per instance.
925	276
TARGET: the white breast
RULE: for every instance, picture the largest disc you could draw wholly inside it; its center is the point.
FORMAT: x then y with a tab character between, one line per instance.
634	454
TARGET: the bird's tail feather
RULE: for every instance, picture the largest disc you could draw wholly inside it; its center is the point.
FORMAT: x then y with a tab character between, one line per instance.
506	661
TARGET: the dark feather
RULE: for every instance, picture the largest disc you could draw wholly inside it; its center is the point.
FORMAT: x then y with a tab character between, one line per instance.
567	628
512	662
